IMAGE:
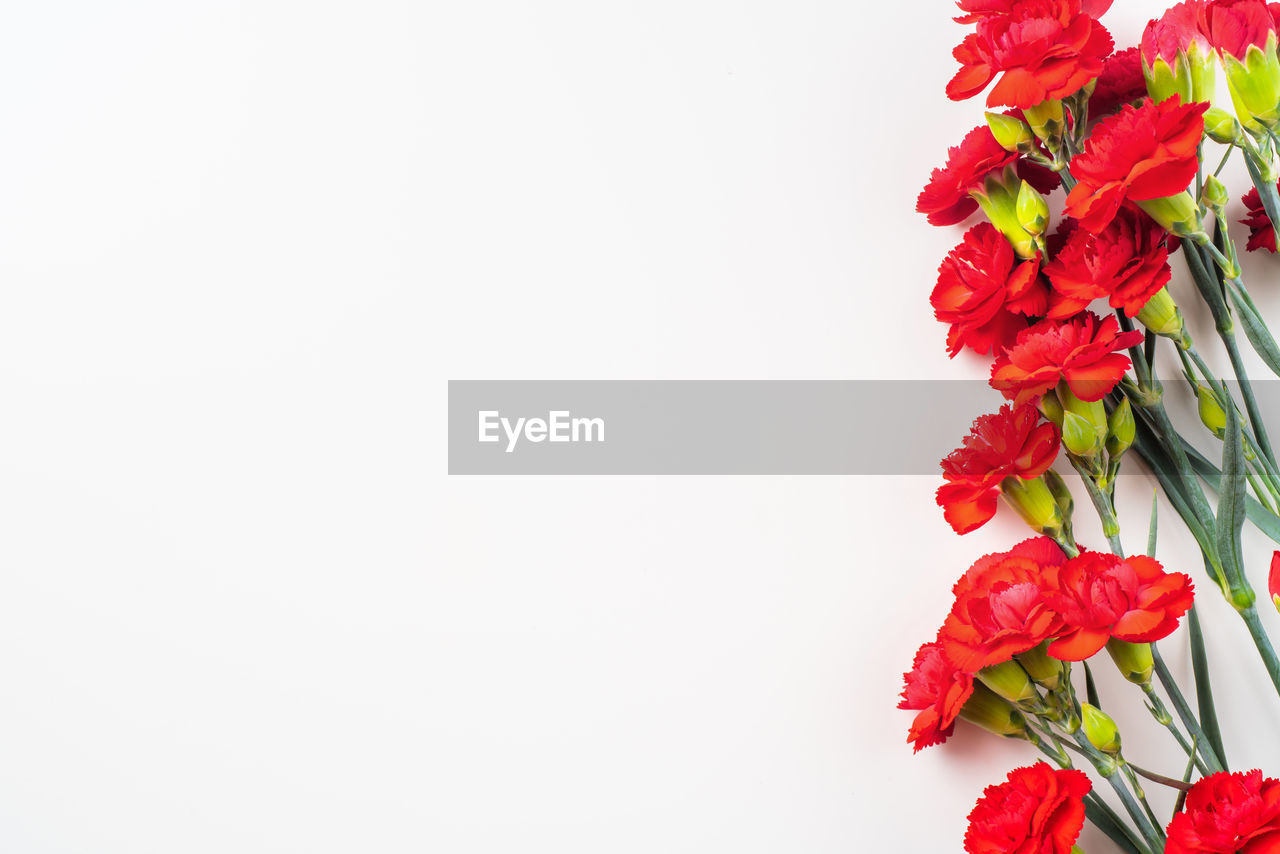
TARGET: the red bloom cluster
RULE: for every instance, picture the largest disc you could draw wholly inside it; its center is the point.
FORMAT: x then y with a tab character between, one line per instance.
1081	351
937	689
1037	810
1000	608
1121	82
1262	234
1041	49
946	199
985	293
1012	442
1226	813
1100	596
1126	263
1139	154
1009	603
1233	26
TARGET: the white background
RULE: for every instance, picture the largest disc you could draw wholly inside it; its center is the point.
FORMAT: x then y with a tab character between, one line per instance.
244	245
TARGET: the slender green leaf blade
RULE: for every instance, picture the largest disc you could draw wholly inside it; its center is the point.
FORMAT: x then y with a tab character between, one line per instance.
1255	328
1204	690
1231	493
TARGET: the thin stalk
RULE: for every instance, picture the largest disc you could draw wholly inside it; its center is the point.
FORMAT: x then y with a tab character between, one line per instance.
1183	708
1263	643
1162	716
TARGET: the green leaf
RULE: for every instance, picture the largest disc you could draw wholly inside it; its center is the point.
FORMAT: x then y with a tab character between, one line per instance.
1090	689
1115	831
1204	690
1231	494
1151	527
1255	328
1266	521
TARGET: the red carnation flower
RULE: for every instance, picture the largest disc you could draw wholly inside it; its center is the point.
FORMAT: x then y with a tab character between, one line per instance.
1039	810
1012	442
1175	32
1127	263
946	200
1041	48
1141	153
938	691
978	9
1121	82
1000	609
1226	813
1100	596
1232	26
983	289
1262	234
1082	351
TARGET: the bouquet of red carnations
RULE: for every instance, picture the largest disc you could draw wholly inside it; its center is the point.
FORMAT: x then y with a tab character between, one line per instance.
1074	316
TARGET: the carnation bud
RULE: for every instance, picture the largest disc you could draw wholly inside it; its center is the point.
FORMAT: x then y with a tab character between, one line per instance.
1042	667
1051	408
1211	412
1273	580
1221	126
1011	132
1133	659
1121	429
1177	214
1010	681
1215	193
1078	435
1032	210
1034	503
1100	729
1062	495
1046	120
999	201
1086	433
993	713
1191	76
1162	316
1254	84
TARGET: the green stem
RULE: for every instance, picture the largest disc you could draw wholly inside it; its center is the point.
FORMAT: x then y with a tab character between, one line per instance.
1162	716
1263	643
1102	504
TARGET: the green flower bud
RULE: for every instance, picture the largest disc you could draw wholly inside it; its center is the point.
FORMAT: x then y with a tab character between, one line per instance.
1061	495
1215	193
1165	81
1191	77
1255	85
1051	408
1121	429
1161	315
1042	667
1034	503
1012	133
1046	119
999	201
1032	210
1100	729
1221	126
993	713
1086	433
1078	435
1010	681
1133	659
1177	214
1211	412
